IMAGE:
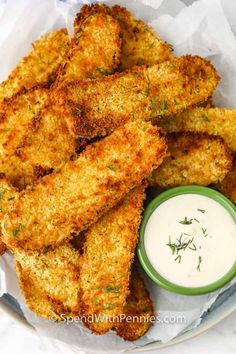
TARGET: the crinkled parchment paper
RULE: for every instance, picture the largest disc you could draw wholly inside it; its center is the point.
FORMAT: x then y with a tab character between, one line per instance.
205	28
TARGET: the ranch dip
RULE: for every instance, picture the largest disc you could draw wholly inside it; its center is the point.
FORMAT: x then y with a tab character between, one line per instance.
190	240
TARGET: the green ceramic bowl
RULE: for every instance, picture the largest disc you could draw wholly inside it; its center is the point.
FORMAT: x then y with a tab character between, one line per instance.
147	266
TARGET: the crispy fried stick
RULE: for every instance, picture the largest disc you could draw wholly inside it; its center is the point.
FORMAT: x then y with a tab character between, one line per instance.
77	195
39	67
193	159
138	38
213	121
48	139
138	311
98	107
106	261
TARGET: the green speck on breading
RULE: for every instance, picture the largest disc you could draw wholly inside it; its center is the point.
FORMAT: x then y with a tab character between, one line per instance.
6	129
2	193
112	168
164	106
135	74
17	230
111	289
11	198
77	111
102	71
154	104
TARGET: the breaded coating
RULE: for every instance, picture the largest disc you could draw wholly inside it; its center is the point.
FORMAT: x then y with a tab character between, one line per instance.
7	195
140	44
193	159
100	106
56	273
106	261
35	299
95	48
228	185
39	67
73	198
138	310
50	138
213	121
16	117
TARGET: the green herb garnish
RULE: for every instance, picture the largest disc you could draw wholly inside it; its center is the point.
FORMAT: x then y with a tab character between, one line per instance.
186	221
112	168
199	263
11	198
164	106
102	71
17	230
178	258
204	231
201	211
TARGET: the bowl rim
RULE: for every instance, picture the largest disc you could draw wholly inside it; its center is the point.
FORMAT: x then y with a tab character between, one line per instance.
143	258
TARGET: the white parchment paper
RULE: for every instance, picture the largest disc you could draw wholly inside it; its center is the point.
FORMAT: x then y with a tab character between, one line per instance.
205	28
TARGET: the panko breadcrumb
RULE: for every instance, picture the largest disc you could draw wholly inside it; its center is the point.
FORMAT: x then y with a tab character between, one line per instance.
138	38
138	311
39	67
56	274
100	106
193	159
73	198
213	121
106	261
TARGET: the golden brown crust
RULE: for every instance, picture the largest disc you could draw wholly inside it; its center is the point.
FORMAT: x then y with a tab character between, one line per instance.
49	139
106	261
56	273
95	49
140	44
100	106
228	185
22	109
74	197
193	159
213	121
35	299
138	39
39	67
138	310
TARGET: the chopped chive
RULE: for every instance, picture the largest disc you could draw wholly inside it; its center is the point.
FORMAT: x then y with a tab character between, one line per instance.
204	231
193	247
186	221
178	258
199	263
201	211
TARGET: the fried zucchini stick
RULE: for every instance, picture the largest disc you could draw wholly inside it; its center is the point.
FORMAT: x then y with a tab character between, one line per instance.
138	39
49	138
138	310
75	197
39	67
35	299
106	261
213	121
228	185
100	106
193	159
95	48
56	273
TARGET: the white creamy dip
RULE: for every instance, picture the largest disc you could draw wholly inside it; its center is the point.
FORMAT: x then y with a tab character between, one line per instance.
190	240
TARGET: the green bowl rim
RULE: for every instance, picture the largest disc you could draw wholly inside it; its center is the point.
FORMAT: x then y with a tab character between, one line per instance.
147	266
